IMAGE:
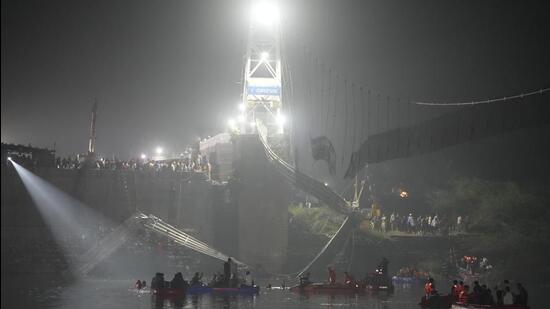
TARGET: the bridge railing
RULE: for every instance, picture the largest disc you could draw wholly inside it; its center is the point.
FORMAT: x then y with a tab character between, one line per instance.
110	243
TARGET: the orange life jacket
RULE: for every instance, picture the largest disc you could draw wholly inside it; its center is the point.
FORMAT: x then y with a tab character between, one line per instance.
464	297
428	288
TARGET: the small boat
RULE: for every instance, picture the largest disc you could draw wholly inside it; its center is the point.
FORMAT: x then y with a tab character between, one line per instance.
474	306
203	289
242	290
380	288
328	288
436	302
168	292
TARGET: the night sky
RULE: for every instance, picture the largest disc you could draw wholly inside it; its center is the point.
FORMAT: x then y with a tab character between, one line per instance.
166	72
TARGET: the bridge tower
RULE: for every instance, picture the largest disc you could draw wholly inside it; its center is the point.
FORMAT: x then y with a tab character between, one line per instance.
262	83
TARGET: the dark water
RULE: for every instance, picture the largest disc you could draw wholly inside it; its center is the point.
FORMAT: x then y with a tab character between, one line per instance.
118	294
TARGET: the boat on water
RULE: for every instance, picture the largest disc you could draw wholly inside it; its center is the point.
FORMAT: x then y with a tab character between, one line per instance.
474	306
436	302
168	292
339	288
328	288
203	289
447	301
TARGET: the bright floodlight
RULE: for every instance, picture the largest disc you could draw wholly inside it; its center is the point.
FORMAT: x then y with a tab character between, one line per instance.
231	123
242	107
265	13
143	156
264	56
9	158
159	150
281	119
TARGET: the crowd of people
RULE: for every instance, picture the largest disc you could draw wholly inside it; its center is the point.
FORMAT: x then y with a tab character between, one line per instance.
415	224
480	294
176	165
412	272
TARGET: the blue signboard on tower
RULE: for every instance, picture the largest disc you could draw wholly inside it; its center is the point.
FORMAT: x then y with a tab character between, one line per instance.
264	90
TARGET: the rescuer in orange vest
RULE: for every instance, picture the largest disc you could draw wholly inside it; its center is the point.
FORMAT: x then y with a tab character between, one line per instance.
429	287
454	290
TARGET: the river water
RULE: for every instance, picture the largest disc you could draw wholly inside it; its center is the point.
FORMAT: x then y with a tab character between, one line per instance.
119	294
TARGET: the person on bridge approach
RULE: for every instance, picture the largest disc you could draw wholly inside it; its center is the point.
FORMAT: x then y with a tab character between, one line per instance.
138	285
331	276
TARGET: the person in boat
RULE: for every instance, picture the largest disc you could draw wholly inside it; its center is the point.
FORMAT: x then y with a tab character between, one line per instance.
138	285
304	279
227	270
382	268
508	298
348	279
499	297
331	276
485	297
476	296
177	282
459	289
196	280
521	298
248	279
454	290
158	281
465	296
429	287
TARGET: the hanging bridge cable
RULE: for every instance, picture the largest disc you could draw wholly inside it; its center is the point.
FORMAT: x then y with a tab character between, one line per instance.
484	101
324	101
369	112
334	132
345	122
328	100
363	116
309	100
378	113
388	113
354	102
315	97
314	93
